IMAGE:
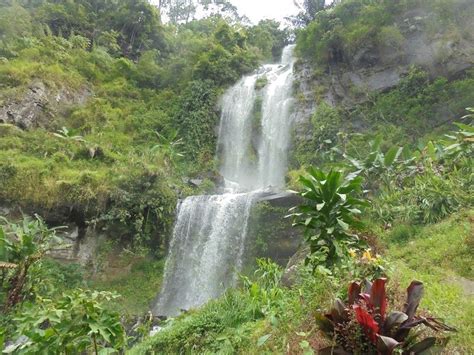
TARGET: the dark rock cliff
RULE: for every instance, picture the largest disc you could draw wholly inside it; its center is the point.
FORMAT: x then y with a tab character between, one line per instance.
442	51
38	104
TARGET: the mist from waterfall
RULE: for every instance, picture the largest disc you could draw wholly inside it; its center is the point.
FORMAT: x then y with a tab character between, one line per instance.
210	232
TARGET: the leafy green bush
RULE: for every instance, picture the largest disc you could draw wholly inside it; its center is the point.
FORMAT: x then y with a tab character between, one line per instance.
330	211
22	246
265	292
402	233
76	322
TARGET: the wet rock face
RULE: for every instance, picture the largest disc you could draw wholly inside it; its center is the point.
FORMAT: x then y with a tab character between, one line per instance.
270	234
39	104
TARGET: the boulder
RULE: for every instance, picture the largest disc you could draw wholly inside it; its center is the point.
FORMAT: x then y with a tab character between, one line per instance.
39	104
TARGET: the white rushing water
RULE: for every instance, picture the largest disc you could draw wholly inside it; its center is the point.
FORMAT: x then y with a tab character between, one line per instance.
260	162
208	241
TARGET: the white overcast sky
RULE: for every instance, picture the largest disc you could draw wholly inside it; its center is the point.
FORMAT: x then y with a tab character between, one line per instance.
257	10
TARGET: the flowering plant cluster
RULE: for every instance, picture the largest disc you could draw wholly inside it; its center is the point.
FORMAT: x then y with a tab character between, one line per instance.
364	264
363	324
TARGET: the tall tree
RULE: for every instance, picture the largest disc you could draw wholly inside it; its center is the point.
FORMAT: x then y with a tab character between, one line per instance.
308	11
183	11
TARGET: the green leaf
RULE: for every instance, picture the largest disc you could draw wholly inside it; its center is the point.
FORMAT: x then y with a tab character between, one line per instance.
343	224
465	127
306	182
320	206
431	150
423	345
391	156
262	340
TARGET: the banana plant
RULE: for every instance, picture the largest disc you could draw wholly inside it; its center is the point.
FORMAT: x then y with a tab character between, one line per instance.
66	134
376	161
460	144
169	148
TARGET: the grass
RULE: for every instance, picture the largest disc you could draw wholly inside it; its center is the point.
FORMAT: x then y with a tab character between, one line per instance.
441	255
137	280
222	326
438	255
444	246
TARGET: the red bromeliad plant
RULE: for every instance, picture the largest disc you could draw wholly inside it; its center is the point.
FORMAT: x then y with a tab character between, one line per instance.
364	327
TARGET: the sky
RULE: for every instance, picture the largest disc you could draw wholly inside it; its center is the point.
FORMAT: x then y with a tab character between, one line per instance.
257	10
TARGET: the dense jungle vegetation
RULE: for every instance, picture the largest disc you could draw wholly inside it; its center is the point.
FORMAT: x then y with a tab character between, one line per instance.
112	116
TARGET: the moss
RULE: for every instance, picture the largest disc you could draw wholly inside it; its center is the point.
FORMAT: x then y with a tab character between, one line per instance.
126	275
270	234
261	82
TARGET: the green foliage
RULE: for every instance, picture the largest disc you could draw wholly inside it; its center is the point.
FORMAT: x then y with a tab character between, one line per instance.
440	255
402	233
135	24
376	162
336	34
459	145
22	246
197	118
131	77
363	265
138	273
51	277
265	292
268	39
417	104
203	330
330	211
443	246
443	172
309	10
76	322
414	111
326	123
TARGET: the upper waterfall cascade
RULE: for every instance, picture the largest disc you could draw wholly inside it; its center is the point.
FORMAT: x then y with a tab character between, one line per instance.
209	236
250	165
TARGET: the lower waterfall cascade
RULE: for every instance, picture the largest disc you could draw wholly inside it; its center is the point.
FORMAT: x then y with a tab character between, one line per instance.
207	246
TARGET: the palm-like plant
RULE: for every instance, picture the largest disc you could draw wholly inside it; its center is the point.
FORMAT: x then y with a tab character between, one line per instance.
65	133
460	143
169	148
330	211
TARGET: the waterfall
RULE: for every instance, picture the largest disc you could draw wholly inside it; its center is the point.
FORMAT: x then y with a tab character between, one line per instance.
207	245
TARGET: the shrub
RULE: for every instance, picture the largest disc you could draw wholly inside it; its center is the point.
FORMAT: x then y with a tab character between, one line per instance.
391	37
21	247
77	322
265	292
401	232
331	209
